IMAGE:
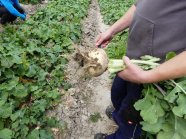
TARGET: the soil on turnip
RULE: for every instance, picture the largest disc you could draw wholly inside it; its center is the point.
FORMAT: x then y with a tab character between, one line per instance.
93	63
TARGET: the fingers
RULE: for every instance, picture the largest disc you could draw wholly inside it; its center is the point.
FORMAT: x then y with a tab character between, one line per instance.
130	65
127	61
105	44
98	40
103	39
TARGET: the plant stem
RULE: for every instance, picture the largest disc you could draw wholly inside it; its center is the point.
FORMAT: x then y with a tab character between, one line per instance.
178	86
144	62
160	89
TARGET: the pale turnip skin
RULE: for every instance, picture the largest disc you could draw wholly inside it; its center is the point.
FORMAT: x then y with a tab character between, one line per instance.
94	62
99	60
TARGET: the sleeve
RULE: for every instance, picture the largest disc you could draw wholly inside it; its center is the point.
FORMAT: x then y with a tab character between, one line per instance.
16	2
8	5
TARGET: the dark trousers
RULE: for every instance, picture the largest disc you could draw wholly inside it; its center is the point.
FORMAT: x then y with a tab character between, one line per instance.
123	96
3	10
6	16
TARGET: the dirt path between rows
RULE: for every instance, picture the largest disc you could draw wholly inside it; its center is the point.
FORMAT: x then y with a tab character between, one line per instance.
88	96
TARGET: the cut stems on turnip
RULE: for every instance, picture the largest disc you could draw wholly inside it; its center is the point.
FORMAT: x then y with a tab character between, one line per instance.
146	62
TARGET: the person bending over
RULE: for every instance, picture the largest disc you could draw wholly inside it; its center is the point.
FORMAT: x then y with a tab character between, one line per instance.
10	10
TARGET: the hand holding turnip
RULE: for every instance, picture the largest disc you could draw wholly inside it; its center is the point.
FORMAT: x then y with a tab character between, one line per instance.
133	70
133	73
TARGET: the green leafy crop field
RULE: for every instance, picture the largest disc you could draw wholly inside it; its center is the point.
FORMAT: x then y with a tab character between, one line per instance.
32	63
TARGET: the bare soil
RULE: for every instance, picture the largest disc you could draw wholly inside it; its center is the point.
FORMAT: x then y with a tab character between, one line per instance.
31	9
88	96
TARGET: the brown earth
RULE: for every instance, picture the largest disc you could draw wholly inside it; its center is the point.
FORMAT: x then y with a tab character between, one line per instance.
88	96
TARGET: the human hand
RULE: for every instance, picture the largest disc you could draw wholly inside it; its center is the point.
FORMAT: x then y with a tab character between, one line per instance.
104	38
133	73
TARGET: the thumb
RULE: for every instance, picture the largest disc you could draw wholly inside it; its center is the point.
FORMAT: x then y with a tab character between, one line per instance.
127	61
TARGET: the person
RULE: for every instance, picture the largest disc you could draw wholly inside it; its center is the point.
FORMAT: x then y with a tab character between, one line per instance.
10	10
156	27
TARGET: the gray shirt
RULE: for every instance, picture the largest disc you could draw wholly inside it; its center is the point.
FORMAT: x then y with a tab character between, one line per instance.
158	27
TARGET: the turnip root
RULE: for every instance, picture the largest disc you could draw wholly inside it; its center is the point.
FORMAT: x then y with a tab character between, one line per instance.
94	62
100	60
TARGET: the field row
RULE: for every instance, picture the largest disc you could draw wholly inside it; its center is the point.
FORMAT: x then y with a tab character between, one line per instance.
32	63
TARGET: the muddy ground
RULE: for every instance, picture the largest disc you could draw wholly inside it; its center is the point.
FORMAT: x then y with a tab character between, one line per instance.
88	96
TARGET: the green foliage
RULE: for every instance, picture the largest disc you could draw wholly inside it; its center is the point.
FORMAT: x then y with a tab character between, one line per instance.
95	117
5	133
112	10
170	55
146	135
117	48
163	109
32	64
162	106
151	105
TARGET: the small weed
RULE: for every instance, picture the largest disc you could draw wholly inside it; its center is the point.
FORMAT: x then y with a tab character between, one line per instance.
95	117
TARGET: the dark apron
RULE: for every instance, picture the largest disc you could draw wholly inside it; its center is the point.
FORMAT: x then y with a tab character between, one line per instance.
158	27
